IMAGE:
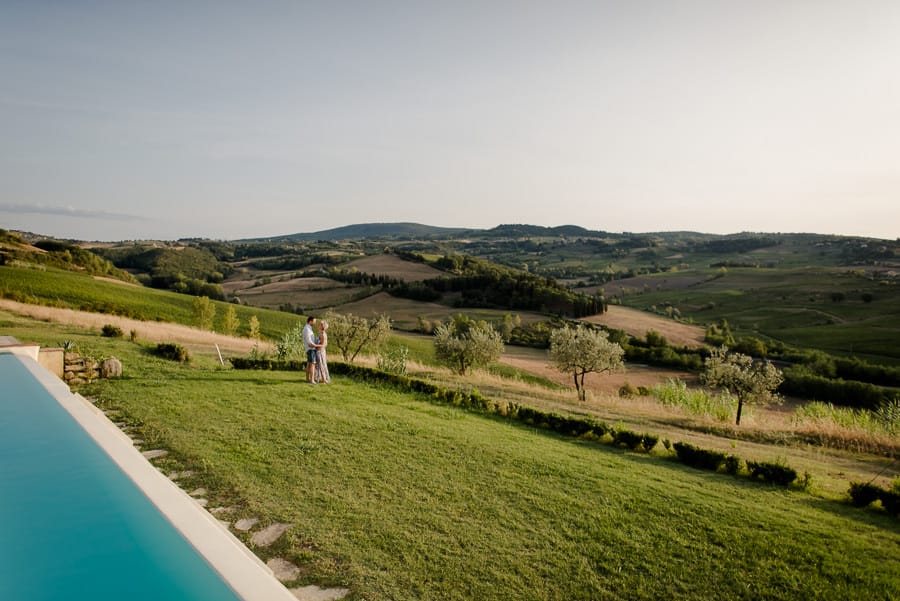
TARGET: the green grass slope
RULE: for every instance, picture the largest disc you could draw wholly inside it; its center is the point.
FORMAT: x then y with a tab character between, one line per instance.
81	291
398	498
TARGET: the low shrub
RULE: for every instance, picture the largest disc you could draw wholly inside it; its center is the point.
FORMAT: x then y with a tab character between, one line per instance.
175	352
732	465
627	439
269	364
700	458
394	360
775	473
628	390
863	494
890	500
111	331
648	441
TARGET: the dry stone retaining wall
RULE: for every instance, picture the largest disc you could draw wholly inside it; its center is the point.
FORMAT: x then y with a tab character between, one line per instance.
83	370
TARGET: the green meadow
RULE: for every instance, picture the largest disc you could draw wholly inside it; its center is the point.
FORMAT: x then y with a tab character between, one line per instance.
840	312
395	497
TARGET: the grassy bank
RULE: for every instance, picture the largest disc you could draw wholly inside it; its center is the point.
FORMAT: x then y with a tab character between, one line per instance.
398	498
71	290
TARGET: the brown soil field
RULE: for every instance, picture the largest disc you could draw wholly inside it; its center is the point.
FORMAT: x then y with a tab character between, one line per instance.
405	313
280	283
314	292
394	267
637	323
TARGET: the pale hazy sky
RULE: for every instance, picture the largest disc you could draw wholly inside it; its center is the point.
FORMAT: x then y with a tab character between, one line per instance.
220	119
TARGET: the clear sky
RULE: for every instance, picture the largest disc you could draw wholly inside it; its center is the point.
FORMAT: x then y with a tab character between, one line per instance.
222	119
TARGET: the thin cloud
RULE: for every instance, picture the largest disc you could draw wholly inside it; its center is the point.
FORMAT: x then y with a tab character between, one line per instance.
22	209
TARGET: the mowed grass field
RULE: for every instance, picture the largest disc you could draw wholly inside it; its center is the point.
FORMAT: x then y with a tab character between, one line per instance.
396	497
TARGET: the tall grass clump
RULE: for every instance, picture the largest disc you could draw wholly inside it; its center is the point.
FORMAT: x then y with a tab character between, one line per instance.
675	393
827	417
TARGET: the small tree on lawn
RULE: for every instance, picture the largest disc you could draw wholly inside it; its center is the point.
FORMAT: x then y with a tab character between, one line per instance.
353	335
464	343
750	381
253	328
583	350
230	321
204	312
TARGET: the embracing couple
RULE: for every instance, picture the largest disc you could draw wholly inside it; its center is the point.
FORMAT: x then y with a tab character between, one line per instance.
316	355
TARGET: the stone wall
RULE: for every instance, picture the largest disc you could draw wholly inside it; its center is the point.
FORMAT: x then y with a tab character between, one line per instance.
83	370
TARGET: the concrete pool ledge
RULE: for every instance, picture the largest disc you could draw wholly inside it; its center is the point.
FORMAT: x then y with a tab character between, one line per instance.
235	564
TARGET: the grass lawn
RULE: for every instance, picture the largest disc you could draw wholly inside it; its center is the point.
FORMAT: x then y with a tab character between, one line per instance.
398	498
395	497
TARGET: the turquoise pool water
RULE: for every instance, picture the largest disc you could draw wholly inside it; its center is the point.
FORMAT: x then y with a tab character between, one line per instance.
73	526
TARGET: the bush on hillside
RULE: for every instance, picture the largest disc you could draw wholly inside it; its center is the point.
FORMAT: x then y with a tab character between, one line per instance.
863	494
172	351
700	458
111	331
775	473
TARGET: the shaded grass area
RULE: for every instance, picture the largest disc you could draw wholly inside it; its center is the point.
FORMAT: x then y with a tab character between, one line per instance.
399	498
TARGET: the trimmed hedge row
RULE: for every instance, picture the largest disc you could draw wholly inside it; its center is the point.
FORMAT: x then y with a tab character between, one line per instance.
582	427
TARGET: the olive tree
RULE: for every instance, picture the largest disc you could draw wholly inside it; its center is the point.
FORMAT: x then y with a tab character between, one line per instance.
748	380
582	350
352	334
464	343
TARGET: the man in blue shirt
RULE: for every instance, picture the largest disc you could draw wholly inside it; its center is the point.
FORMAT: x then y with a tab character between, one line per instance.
309	341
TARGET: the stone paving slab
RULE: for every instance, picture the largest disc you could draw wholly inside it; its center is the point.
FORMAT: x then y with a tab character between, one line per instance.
314	593
155	453
220	510
283	569
269	535
245	524
199	492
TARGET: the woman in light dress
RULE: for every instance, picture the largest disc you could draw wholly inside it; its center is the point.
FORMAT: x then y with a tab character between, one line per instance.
322	376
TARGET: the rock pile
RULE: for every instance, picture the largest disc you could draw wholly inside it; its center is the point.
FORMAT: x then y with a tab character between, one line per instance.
79	369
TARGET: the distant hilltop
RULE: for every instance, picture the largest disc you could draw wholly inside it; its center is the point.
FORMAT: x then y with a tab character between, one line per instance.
417	230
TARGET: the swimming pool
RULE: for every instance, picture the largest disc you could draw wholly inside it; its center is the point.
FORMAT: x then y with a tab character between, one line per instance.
84	516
